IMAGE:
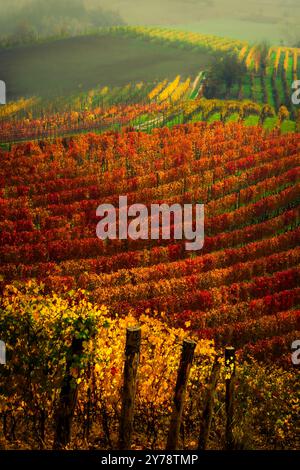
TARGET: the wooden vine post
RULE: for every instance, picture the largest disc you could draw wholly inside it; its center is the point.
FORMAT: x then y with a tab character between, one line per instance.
209	405
229	398
67	400
132	357
187	356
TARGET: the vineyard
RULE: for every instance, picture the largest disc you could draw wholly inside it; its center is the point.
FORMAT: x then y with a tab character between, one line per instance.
168	105
263	96
253	193
270	71
73	377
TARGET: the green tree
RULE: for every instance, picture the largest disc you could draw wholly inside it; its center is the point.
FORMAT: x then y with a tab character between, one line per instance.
225	71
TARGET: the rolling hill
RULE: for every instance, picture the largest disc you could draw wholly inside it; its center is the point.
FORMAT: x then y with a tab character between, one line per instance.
69	66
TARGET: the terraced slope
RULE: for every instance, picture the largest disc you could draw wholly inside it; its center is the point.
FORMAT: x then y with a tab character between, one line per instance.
242	288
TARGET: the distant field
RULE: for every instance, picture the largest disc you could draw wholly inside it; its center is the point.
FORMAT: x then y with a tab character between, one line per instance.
67	66
237	29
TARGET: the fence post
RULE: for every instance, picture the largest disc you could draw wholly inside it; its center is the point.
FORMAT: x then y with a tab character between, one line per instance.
187	356
67	399
132	357
209	405
229	398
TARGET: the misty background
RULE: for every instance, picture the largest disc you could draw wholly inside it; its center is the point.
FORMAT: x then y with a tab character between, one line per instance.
277	21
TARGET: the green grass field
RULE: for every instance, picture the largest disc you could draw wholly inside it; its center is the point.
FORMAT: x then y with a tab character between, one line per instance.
238	29
67	66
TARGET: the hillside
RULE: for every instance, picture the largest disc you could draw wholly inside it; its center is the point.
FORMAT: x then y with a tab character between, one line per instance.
136	340
65	68
70	66
245	280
